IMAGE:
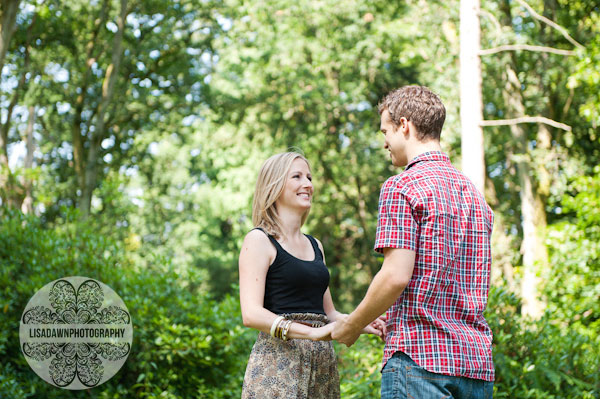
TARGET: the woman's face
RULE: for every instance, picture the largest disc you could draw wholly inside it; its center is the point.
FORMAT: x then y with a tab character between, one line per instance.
298	189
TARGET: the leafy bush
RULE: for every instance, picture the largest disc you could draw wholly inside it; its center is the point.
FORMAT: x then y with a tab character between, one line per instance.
573	284
360	367
185	344
543	359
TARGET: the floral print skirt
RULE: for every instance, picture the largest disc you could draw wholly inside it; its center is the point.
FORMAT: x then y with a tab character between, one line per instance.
294	369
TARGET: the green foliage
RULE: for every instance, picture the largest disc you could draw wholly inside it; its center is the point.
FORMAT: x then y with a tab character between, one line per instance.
540	359
291	81
185	345
207	91
573	285
360	367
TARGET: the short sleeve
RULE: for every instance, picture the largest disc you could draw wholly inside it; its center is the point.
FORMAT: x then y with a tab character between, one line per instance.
396	226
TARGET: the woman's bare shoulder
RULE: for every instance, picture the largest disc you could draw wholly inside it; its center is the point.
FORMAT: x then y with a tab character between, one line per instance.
257	243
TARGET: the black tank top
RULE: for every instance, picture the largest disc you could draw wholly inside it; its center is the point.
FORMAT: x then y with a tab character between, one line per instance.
294	285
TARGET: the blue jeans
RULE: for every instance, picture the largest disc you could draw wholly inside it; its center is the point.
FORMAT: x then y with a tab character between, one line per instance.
402	378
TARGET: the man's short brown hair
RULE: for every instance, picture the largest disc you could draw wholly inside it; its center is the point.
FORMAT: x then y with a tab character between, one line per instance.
420	106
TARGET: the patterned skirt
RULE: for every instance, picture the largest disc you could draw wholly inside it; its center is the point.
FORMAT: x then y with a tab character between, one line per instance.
294	369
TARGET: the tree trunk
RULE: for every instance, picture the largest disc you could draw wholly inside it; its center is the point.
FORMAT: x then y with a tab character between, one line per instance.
532	211
27	205
502	242
9	10
533	214
79	154
110	78
8	187
8	17
471	106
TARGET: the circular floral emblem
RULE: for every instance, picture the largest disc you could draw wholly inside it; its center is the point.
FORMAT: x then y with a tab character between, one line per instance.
76	333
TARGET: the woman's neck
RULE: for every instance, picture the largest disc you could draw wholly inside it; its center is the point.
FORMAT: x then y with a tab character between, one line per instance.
291	222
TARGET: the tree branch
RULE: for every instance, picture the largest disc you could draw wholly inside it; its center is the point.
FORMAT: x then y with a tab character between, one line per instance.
526	119
550	22
493	19
516	47
569	100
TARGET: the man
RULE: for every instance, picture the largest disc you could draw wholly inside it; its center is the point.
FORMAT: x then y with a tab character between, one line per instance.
434	231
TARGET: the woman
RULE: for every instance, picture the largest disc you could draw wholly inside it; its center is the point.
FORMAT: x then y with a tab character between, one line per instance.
284	290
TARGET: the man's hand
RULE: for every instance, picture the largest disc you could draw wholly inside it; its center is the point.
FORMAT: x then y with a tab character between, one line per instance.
344	332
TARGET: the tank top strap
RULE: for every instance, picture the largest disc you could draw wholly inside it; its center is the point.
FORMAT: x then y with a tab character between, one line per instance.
280	250
278	246
315	245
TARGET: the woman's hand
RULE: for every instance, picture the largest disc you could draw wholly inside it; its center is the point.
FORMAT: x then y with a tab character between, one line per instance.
377	327
322	333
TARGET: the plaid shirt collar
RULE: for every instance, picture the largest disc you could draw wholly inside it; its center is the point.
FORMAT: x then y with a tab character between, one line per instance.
428	156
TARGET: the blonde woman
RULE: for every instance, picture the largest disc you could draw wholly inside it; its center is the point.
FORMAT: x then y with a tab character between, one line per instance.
284	290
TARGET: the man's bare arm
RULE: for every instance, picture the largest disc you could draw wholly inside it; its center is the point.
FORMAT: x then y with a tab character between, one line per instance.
387	285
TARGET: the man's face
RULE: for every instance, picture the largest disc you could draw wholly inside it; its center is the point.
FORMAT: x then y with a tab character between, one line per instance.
395	141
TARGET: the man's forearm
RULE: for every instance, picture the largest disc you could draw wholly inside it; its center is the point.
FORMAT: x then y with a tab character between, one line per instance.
385	288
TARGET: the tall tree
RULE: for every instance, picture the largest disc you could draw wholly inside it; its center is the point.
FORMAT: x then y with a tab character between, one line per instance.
108	72
471	105
26	180
9	10
530	164
8	16
314	83
88	179
532	210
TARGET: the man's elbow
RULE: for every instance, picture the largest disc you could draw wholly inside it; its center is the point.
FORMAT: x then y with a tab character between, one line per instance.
398	282
395	279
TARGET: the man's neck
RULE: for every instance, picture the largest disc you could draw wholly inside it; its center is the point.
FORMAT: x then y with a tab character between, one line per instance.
421	147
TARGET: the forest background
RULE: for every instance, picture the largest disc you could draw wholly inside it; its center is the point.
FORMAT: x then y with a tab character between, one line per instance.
131	133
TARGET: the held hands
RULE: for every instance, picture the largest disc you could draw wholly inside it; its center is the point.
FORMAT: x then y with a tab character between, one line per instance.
382	322
322	333
342	332
347	333
377	327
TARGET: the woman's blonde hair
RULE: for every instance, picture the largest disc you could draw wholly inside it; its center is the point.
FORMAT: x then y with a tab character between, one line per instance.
269	186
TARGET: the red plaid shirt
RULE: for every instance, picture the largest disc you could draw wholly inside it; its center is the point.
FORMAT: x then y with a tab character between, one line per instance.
433	209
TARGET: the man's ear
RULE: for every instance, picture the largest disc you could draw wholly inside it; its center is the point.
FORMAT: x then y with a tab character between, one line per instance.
403	127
